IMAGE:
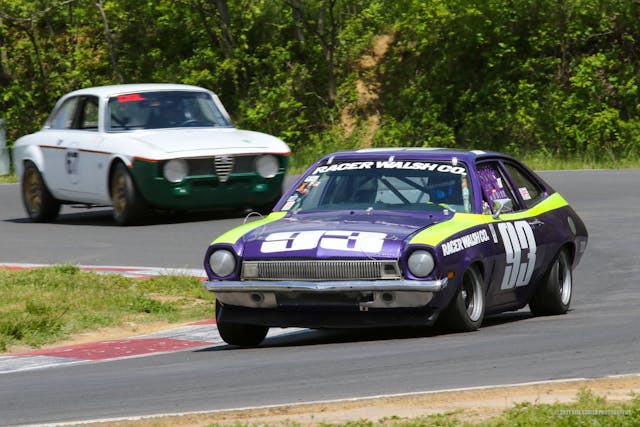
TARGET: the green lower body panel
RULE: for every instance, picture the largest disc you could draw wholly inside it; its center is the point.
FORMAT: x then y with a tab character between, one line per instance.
245	190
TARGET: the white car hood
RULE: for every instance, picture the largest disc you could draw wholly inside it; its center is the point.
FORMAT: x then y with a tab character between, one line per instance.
201	142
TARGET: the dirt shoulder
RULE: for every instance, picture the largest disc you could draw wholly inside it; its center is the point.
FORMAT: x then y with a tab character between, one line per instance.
470	405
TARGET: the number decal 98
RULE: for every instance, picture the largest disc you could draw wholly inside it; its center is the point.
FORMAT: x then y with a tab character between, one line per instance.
517	236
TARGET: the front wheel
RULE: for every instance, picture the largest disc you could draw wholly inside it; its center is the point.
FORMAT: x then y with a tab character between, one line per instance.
466	311
40	205
128	206
553	295
240	334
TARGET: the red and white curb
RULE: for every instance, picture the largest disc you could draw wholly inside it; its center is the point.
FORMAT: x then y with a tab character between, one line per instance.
190	337
193	336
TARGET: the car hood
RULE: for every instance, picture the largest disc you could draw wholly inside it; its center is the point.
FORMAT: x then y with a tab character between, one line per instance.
343	234
209	141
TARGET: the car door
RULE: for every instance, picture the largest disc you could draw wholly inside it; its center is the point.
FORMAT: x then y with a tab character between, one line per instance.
517	233
72	158
530	192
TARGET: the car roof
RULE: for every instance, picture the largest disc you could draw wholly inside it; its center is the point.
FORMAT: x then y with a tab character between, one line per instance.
105	91
416	153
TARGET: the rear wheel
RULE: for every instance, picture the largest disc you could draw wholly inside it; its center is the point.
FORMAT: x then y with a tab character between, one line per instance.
240	334
466	311
38	202
553	295
128	206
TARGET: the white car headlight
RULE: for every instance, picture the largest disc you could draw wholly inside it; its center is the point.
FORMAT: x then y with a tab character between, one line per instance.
175	170
421	263
267	166
222	262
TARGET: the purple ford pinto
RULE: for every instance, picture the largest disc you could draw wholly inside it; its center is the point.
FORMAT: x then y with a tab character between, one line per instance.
398	237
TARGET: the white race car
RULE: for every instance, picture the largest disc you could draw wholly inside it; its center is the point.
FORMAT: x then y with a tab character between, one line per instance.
138	146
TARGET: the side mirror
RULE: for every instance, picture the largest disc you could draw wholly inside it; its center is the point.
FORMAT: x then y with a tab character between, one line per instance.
501	204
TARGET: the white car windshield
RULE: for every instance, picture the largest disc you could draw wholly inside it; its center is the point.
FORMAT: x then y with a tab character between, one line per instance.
384	185
163	109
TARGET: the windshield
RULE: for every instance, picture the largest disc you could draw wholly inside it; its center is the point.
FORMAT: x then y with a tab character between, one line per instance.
165	109
384	185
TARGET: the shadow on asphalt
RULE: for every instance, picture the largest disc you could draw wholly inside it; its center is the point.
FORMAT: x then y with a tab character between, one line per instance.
339	336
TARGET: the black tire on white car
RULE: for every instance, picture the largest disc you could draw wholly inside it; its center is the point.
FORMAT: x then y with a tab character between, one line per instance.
40	205
128	206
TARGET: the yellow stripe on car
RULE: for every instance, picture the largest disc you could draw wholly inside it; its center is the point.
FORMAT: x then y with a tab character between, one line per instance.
233	235
463	221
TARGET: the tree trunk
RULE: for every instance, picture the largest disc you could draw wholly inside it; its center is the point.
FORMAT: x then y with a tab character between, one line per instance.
327	30
298	18
107	33
5	77
227	34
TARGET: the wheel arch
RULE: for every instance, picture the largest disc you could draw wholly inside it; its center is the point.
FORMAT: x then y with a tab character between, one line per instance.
480	267
31	154
112	165
571	251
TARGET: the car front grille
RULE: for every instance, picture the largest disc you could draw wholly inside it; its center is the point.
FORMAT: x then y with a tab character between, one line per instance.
224	166
320	270
218	166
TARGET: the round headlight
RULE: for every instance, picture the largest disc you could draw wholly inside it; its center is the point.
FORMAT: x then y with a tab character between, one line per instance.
421	263
222	262
267	166
175	170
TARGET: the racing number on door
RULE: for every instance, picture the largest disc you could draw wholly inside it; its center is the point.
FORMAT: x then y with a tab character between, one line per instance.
517	236
72	165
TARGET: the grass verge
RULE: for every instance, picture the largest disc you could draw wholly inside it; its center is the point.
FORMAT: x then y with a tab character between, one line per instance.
47	305
587	408
8	179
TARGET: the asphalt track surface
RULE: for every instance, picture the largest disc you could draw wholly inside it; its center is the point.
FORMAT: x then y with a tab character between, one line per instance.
599	337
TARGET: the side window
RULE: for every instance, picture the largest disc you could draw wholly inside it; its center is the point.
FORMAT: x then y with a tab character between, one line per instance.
494	186
530	192
89	116
63	117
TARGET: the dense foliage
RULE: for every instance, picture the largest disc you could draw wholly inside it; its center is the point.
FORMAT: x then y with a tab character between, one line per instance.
552	77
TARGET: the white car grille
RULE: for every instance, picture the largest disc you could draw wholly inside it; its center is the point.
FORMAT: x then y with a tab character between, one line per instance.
224	166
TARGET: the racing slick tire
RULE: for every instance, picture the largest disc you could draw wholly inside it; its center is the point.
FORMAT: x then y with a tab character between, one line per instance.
466	311
240	334
40	205
553	295
128	206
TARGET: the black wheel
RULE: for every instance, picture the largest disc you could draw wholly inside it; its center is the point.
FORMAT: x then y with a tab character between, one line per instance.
240	334
466	311
553	295
40	205
128	206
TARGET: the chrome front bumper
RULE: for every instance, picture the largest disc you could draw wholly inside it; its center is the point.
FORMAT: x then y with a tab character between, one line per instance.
365	293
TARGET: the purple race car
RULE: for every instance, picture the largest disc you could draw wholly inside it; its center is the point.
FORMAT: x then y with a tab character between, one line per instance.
396	237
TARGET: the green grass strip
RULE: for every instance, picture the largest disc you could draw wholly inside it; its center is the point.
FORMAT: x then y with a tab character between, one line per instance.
47	305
